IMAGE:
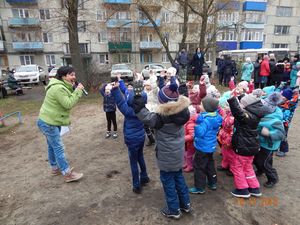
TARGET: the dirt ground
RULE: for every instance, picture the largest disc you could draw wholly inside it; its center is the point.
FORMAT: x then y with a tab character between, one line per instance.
29	195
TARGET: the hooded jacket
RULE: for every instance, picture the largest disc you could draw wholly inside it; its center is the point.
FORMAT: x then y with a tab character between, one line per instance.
168	122
109	104
245	139
196	96
247	70
59	100
189	132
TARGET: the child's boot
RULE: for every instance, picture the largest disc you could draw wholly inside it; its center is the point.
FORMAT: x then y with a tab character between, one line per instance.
108	134
115	135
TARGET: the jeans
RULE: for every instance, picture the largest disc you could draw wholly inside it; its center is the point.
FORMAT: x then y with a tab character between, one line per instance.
136	157
56	153
176	191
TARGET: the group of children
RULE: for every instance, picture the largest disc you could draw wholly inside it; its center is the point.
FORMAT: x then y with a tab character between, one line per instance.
187	121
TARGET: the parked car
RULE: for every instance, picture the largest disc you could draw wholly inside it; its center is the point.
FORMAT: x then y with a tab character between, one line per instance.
52	73
123	69
31	74
156	68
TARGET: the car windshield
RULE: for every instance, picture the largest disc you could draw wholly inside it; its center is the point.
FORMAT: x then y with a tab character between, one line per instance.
156	67
120	67
31	68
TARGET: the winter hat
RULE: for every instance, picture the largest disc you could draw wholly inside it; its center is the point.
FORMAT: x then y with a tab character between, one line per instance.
258	92
272	101
268	90
130	98
213	92
147	82
243	86
287	93
172	71
210	104
108	87
168	93
192	110
249	100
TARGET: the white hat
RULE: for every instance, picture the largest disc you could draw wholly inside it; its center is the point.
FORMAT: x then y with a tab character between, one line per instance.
172	71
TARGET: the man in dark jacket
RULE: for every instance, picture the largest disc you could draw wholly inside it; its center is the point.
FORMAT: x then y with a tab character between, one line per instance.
183	63
14	84
197	63
168	122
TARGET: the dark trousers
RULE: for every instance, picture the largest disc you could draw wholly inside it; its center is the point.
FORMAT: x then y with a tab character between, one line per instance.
263	161
111	117
221	76
284	145
176	191
204	167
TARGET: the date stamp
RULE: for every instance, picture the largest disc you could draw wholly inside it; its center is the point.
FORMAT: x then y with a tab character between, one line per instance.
259	202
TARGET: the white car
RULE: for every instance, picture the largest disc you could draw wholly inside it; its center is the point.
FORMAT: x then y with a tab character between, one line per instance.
31	74
156	68
123	69
53	72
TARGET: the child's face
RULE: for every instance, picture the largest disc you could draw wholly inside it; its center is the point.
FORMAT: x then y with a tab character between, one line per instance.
107	91
130	87
147	87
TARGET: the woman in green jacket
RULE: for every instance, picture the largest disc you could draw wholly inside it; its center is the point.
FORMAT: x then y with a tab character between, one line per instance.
55	112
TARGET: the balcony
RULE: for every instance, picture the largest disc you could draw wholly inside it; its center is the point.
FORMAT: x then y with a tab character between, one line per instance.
1	45
119	46
151	3
150	45
253	26
24	2
227	45
232	5
117	1
111	23
19	22
147	23
251	44
28	46
255	6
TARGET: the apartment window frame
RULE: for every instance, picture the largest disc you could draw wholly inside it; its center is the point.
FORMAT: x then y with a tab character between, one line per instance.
47	37
284	11
26	60
50	60
20	12
282	30
103	58
146	57
165	58
45	14
166	17
101	15
122	15
280	45
81	26
102	37
124	57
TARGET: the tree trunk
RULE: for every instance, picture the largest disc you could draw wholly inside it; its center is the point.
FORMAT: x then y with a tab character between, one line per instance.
204	18
72	6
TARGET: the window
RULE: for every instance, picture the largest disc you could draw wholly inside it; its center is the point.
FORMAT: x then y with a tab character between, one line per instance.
44	14
146	57
47	37
83	48
20	13
180	28
123	15
255	17
121	35
26	59
142	16
101	15
228	35
232	17
102	37
280	45
282	30
146	37
103	58
284	11
81	26
50	60
165	58
253	35
80	4
123	58
166	17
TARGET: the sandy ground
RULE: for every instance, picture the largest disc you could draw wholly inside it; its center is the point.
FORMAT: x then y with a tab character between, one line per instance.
30	195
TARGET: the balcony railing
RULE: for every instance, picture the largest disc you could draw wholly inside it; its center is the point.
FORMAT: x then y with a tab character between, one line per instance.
119	46
1	45
255	6
14	2
28	46
147	23
17	22
118	23
150	45
118	1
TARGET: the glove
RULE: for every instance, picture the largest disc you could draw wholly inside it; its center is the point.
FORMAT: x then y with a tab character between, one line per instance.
138	103
265	132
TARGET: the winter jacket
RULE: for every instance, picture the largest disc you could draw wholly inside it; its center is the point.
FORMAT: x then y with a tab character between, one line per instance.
228	68
152	99
59	100
288	109
293	76
256	72
12	82
133	128
273	122
278	74
189	132
206	129
226	131
168	122
197	63
109	104
265	68
247	70
197	96
245	139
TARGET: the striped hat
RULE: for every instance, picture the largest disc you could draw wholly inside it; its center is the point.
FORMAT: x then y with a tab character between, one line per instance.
168	93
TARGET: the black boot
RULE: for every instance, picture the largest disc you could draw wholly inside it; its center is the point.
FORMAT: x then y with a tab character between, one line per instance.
151	140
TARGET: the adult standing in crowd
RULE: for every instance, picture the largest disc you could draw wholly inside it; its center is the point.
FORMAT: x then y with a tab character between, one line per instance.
228	69
247	70
55	112
182	59
264	71
197	63
219	70
256	73
272	64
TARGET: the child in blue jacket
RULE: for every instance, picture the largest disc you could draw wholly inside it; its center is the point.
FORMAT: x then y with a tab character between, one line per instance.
109	107
205	141
134	136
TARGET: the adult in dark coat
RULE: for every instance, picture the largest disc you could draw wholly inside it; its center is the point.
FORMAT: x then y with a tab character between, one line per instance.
257	72
197	63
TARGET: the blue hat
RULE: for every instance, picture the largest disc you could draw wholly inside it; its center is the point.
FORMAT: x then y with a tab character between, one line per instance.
130	97
168	93
287	93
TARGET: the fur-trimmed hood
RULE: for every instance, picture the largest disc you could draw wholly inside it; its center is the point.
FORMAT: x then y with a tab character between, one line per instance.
172	108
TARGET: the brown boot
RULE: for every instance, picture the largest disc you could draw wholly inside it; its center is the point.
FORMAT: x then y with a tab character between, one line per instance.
72	176
55	172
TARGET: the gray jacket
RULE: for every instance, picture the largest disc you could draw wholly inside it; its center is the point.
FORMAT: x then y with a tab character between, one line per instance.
168	122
